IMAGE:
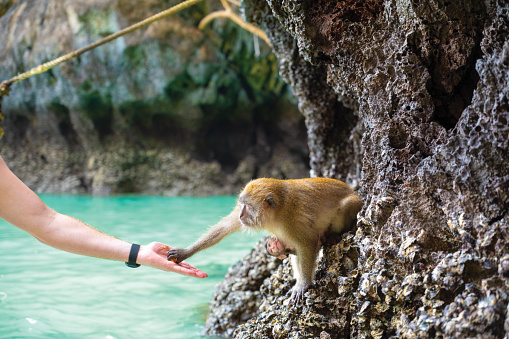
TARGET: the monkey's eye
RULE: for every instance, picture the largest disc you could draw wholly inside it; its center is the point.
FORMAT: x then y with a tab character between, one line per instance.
269	200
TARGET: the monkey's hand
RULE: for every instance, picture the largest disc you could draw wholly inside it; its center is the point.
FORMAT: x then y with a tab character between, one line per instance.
298	293
177	254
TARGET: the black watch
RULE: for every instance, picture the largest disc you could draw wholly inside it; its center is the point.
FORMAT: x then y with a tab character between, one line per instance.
133	255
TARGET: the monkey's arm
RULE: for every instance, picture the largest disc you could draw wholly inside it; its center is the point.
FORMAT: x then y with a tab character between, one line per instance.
304	269
226	226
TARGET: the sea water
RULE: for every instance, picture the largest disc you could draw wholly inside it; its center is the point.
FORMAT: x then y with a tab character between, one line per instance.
47	293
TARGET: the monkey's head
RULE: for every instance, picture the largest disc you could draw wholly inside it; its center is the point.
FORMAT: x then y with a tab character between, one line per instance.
277	248
257	202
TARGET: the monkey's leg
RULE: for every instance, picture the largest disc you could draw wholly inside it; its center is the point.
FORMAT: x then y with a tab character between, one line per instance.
346	216
305	272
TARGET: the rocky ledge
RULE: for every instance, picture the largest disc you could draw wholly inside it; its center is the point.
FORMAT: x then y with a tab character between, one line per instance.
409	99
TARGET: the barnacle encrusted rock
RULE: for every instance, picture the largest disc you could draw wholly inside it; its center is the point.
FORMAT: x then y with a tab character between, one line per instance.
325	313
409	101
238	298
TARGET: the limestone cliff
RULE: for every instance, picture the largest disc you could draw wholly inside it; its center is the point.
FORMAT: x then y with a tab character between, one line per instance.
168	109
409	100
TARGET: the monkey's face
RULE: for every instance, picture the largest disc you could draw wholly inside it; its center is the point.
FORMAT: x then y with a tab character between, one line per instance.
276	248
253	213
256	204
249	214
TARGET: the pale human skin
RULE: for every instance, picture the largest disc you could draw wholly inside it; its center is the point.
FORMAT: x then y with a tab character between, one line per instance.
21	207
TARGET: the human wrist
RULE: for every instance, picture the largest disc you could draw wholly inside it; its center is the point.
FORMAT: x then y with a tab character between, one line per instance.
133	256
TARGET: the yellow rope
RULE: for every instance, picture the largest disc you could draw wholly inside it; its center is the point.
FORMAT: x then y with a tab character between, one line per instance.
5	85
228	13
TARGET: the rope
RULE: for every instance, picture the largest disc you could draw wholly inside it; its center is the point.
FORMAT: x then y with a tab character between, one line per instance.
5	85
228	13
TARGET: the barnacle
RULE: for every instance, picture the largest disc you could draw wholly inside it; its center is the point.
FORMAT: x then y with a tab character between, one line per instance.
364	307
503	267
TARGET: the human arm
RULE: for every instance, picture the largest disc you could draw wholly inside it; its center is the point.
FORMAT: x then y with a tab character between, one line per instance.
21	207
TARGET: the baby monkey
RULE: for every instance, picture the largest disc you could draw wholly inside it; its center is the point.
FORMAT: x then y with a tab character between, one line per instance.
276	248
298	212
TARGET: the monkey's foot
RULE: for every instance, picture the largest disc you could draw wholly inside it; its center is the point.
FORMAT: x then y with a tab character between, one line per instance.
176	255
298	294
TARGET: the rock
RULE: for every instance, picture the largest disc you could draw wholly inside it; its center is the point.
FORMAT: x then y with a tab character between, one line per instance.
164	91
242	288
423	91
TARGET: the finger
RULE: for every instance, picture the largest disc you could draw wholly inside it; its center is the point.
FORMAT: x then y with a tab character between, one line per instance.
186	270
190	272
162	249
187	265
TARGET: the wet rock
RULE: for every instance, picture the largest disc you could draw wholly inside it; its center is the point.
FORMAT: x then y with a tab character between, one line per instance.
239	296
426	88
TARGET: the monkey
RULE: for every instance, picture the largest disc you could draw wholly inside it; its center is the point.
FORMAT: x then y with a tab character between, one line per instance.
298	212
276	248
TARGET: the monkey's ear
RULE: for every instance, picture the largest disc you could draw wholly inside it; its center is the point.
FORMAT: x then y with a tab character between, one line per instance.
269	200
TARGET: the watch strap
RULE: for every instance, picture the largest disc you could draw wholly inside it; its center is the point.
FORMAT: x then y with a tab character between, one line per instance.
133	255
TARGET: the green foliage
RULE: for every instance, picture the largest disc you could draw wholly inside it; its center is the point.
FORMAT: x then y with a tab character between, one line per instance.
99	110
179	86
61	111
214	85
87	85
195	13
133	55
99	22
220	96
259	72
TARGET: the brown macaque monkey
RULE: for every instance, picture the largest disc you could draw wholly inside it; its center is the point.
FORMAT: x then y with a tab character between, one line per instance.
299	212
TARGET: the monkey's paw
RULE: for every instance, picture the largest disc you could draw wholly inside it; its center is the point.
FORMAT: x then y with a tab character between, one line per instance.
177	255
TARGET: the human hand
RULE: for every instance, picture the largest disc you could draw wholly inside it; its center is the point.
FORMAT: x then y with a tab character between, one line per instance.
154	255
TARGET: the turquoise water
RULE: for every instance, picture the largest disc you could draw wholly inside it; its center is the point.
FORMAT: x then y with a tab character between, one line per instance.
47	293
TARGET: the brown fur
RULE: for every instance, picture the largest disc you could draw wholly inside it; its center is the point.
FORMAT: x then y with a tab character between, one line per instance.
298	211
